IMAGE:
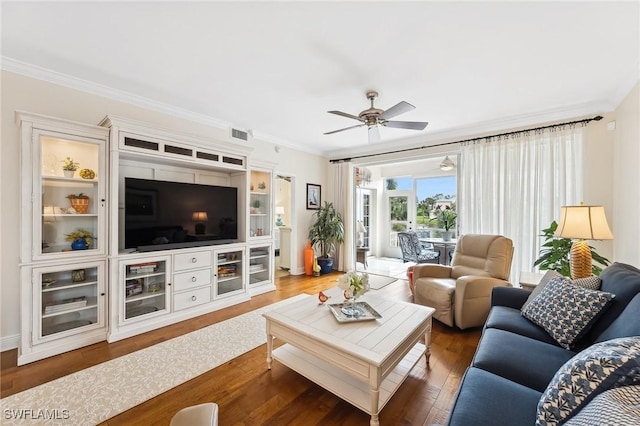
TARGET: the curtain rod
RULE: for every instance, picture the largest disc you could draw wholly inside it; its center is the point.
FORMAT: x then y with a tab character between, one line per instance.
516	132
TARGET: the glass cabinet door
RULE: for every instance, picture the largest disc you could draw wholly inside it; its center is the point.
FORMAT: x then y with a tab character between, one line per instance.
145	287
229	272
259	265
69	196
260	220
69	299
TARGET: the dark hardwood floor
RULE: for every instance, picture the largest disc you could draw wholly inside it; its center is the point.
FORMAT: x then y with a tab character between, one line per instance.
249	394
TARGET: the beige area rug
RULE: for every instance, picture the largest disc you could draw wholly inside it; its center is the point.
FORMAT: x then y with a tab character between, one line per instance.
376	282
96	394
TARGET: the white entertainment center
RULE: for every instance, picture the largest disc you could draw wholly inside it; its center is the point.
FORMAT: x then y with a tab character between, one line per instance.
73	297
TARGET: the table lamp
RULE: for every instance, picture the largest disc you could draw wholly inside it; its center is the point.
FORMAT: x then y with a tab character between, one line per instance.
279	212
200	217
582	223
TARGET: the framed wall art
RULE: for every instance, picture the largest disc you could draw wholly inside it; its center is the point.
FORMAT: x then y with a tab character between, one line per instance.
313	196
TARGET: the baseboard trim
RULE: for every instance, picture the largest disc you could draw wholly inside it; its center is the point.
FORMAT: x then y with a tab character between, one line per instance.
9	342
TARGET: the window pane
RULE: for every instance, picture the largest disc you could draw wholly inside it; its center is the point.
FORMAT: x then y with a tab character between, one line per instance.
397	208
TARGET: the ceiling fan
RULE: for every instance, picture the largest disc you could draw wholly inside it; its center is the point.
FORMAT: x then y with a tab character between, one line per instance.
372	117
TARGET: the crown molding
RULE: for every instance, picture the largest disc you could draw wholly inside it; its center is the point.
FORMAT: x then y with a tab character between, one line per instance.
45	74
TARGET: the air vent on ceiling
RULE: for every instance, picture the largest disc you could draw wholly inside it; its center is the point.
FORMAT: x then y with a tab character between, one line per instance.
239	134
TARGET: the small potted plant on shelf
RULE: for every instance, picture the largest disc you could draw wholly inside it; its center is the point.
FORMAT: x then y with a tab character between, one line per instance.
325	234
79	202
80	239
69	167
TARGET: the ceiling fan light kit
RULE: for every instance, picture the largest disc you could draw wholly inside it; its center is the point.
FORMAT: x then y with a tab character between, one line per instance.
447	164
372	117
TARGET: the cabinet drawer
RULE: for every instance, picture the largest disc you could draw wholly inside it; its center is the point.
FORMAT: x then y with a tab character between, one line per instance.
198	259
190	279
192	298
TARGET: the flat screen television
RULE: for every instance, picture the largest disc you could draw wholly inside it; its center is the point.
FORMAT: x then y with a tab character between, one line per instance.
161	215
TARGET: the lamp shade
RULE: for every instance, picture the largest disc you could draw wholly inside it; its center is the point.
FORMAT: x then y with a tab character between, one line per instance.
360	227
279	210
199	216
583	222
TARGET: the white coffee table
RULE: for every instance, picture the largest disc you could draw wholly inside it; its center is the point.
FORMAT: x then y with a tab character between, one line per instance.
365	362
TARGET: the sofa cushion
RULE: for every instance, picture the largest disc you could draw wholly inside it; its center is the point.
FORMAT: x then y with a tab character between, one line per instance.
622	280
566	311
513	297
619	406
511	319
482	398
627	324
523	360
602	366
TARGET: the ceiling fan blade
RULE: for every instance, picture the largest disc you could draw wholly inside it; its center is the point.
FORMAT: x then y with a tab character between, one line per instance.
413	125
374	134
346	114
342	130
399	108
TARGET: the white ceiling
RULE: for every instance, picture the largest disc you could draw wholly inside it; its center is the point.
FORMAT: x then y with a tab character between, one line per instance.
275	68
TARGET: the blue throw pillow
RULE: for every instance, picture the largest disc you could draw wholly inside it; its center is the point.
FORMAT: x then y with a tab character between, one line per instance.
566	311
603	366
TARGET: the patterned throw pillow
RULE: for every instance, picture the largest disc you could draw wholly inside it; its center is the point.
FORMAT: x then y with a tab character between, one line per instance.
566	311
592	282
600	367
619	406
548	276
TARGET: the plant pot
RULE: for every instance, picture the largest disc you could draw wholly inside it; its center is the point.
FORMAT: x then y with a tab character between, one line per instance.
79	244
446	235
81	205
69	173
326	265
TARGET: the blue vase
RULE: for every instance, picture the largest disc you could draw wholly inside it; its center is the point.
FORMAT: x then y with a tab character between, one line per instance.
79	244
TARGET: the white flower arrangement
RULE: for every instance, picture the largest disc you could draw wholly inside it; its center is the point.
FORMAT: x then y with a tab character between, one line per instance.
354	284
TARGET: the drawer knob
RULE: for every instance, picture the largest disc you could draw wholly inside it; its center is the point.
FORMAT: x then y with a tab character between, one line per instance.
194	260
194	298
194	279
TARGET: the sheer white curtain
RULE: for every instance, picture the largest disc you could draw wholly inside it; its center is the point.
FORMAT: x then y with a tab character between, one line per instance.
514	186
341	180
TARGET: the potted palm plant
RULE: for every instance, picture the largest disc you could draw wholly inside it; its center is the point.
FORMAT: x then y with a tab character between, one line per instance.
446	219
554	254
325	234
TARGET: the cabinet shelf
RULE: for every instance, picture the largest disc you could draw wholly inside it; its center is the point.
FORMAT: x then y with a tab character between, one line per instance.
260	193
68	215
63	285
91	304
229	278
144	275
144	295
55	178
257	271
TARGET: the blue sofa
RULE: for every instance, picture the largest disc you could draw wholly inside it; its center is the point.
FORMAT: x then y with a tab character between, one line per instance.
516	359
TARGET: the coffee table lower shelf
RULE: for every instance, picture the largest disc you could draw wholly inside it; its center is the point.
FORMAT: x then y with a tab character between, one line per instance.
344	385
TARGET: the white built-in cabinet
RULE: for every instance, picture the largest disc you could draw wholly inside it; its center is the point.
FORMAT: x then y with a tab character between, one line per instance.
63	279
74	295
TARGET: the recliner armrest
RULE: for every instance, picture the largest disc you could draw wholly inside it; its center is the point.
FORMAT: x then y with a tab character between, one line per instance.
511	297
431	271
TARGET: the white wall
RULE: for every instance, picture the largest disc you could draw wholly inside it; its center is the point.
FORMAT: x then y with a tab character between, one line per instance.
626	180
24	93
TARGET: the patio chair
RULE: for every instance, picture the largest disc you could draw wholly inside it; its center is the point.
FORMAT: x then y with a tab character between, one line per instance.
414	251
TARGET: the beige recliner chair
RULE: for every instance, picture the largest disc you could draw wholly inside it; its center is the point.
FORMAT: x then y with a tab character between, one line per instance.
461	293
